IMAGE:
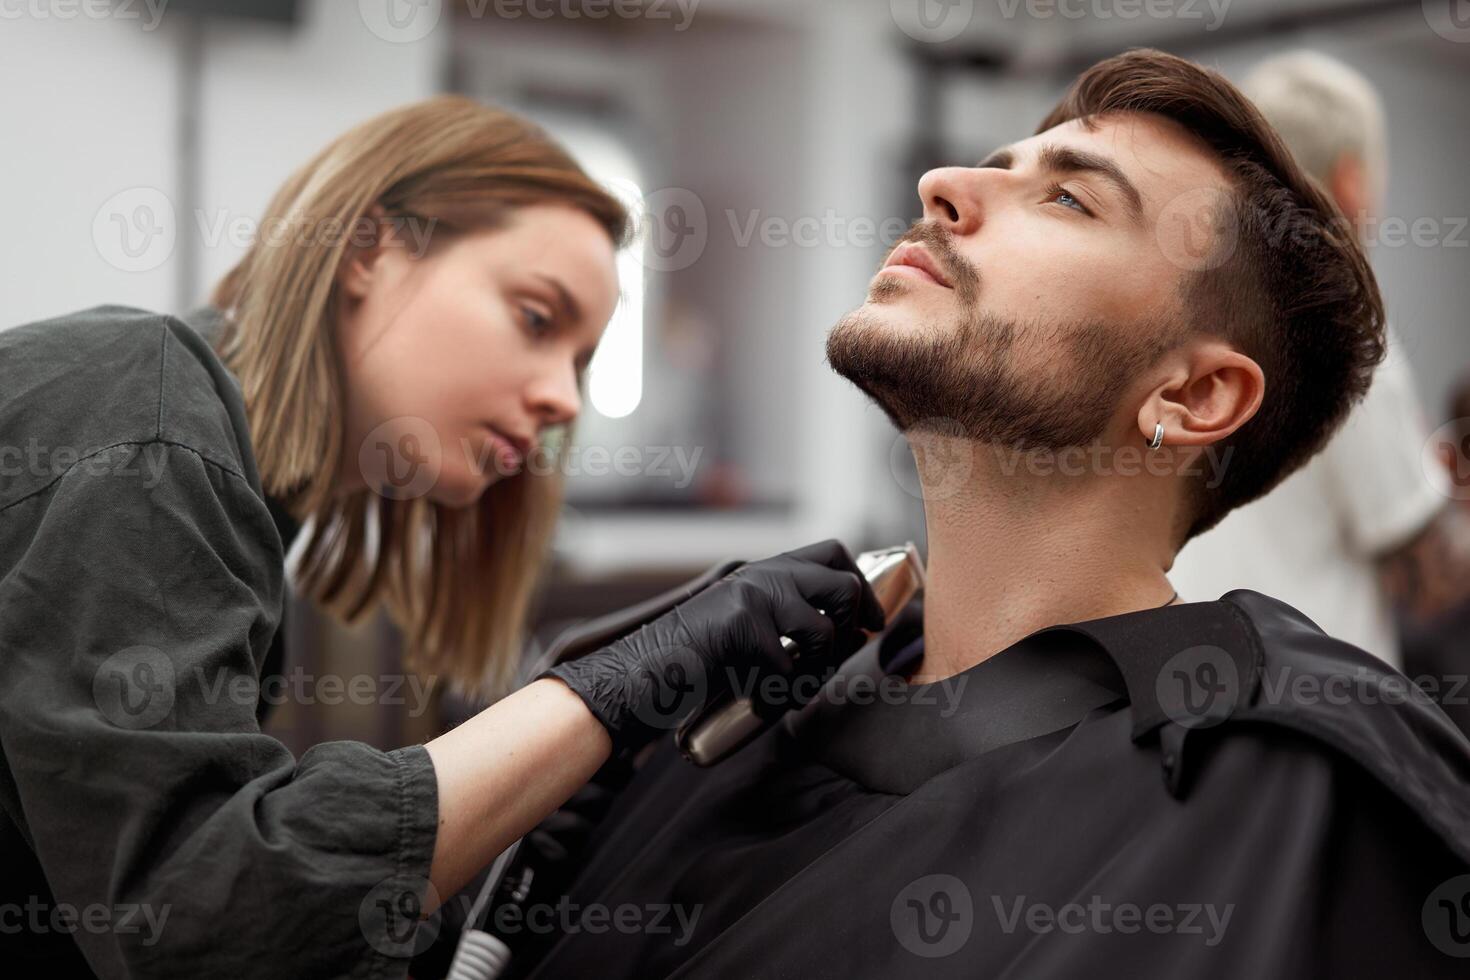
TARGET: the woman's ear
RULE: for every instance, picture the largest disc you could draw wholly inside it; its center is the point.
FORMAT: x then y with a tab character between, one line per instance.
1215	391
365	247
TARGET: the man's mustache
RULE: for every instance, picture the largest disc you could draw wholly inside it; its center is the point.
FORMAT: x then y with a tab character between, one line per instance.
936	238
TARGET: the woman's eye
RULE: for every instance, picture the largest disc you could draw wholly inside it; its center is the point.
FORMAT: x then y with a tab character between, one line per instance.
537	321
1058	191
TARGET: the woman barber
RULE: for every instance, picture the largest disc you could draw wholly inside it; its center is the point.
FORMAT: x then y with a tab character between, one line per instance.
413	318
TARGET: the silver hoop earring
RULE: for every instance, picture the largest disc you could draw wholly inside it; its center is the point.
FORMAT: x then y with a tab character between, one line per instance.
1158	439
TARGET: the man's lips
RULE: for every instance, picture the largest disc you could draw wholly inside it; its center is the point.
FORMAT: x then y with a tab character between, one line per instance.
915	262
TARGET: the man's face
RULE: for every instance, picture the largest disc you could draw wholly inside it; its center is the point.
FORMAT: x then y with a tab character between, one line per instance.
1054	274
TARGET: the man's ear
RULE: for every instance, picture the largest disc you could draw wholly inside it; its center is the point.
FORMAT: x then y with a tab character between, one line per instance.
1213	390
364	247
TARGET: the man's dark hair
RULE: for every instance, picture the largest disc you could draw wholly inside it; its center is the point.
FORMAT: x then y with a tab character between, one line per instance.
1296	294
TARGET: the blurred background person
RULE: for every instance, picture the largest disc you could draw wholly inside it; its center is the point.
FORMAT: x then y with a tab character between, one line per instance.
1365	524
1437	647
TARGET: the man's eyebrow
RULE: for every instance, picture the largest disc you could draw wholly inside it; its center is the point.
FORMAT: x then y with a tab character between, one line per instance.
1055	158
568	303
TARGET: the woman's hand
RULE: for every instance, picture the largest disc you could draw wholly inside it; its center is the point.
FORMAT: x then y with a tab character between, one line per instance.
501	772
727	637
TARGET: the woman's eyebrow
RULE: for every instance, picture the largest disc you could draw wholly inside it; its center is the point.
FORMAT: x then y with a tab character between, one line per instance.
1058	159
564	298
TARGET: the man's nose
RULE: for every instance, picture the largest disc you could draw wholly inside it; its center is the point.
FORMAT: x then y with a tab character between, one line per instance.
952	198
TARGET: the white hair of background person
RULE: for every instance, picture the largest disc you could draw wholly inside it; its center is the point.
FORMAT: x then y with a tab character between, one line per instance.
1328	114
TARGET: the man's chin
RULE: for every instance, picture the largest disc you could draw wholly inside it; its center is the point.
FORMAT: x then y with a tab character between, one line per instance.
894	315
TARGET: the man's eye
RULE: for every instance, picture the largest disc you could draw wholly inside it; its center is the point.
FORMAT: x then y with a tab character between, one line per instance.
1057	190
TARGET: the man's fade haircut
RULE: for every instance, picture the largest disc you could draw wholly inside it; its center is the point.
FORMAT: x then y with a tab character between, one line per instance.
1296	294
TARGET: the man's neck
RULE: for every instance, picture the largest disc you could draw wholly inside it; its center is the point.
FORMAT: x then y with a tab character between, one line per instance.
1010	554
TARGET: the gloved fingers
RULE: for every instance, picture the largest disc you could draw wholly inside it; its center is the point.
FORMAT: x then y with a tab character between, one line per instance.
746	643
846	597
832	553
810	604
799	674
814	634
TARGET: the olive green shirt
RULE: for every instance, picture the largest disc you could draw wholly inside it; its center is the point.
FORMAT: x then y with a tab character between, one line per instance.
148	824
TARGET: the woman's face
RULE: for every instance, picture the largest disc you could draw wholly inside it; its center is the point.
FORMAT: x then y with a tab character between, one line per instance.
456	360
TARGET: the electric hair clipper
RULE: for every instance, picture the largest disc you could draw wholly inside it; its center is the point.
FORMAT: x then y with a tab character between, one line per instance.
725	726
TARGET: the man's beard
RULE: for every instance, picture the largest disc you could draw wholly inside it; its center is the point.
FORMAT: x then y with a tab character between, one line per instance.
962	379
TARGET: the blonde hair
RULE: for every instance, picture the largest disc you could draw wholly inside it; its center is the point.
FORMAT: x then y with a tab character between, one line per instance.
458	581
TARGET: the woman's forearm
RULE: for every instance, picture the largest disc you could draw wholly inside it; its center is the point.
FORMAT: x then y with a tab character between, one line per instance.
504	770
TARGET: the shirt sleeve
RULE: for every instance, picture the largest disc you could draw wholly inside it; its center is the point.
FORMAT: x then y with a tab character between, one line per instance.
142	591
1384	491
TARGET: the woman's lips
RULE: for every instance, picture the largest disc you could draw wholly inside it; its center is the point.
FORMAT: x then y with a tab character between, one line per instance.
508	458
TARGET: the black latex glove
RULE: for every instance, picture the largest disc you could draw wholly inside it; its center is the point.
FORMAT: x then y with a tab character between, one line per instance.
727	636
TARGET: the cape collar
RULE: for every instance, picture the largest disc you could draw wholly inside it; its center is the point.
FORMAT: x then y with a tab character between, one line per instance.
1188	663
1192	663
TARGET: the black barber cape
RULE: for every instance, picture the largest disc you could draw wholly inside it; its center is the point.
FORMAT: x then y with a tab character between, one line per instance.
1206	790
148	827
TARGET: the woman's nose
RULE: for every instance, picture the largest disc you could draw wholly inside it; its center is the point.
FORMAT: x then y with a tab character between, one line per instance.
951	197
555	398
